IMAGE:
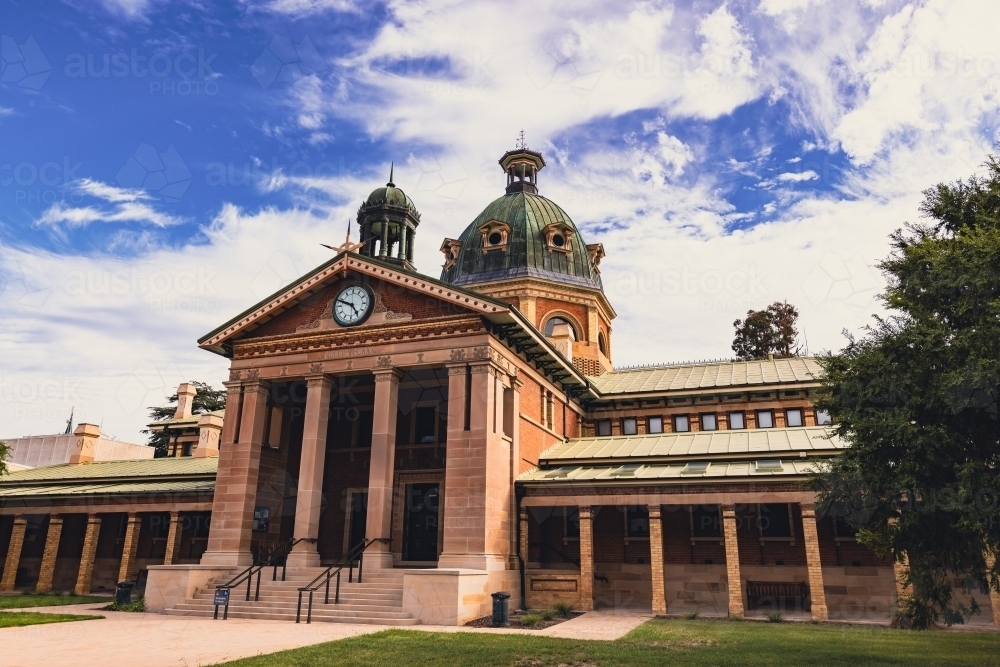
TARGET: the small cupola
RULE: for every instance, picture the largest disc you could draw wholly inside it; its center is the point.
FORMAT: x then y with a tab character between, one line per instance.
388	223
522	166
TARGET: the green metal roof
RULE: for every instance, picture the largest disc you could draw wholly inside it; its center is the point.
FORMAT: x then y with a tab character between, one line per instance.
139	487
743	442
712	375
108	470
526	255
185	422
674	472
390	196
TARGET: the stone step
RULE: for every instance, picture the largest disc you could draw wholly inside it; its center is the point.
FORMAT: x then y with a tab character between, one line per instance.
317	617
384	600
290	607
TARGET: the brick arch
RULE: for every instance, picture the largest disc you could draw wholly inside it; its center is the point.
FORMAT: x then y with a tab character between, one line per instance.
581	331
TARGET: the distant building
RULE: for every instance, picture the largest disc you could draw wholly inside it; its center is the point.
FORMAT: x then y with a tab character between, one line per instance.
34	451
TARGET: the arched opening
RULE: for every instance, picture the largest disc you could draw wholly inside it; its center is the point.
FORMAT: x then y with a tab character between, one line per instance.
551	323
602	343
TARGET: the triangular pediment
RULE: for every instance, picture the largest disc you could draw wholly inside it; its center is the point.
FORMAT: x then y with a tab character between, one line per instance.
306	304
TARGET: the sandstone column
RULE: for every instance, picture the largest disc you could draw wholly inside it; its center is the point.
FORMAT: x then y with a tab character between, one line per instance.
127	568
656	559
50	553
173	538
523	535
236	481
586	558
478	515
309	498
86	571
383	459
817	591
734	581
13	553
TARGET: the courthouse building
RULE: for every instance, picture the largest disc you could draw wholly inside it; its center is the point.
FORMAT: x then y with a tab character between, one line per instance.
472	434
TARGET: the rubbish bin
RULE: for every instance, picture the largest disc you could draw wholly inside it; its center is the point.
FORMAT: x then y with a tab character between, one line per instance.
501	609
123	593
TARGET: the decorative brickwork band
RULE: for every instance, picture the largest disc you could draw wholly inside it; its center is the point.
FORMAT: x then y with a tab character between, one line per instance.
47	569
656	560
817	590
13	554
129	548
734	578
86	571
173	539
586	558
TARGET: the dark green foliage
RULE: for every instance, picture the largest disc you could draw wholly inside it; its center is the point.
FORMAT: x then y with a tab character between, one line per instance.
916	398
768	332
3	457
206	399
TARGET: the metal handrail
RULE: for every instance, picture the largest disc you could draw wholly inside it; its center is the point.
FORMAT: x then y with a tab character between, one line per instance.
272	559
346	561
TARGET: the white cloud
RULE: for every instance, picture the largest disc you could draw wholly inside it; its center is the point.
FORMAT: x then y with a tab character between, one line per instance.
797	177
129	206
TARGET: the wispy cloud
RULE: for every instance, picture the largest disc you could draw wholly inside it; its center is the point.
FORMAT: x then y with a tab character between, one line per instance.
128	205
798	177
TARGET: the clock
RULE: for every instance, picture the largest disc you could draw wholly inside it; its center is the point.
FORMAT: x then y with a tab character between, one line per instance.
353	305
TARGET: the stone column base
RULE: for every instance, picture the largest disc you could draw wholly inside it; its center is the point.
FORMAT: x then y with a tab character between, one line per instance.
303	559
230	559
169	585
446	596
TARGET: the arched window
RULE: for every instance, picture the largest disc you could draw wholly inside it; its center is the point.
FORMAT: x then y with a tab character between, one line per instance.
602	344
553	321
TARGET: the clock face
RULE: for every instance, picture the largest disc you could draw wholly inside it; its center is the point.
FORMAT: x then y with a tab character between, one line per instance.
352	306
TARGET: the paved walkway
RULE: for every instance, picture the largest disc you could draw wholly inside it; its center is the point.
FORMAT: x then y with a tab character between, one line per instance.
156	640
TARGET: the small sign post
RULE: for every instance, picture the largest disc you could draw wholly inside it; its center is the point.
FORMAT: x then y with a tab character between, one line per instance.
222	600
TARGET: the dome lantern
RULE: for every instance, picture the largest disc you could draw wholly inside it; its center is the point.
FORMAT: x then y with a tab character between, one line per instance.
388	221
522	166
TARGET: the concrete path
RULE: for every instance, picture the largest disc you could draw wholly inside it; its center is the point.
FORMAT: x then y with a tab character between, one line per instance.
156	640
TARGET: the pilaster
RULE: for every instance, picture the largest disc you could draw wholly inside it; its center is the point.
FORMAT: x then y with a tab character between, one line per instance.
586	558
734	579
87	556
309	498
50	553
656	559
817	591
13	554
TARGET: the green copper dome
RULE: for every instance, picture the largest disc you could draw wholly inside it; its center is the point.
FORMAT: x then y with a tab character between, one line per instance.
521	234
392	196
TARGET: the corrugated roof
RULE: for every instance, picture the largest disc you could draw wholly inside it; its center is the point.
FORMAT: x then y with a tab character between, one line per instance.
704	443
674	471
75	489
709	376
96	470
186	421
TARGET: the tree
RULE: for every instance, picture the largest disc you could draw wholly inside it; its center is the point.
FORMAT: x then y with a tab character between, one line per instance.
768	332
4	451
205	400
916	399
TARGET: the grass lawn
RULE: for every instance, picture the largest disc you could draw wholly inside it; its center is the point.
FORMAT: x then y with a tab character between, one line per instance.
15	619
23	601
658	642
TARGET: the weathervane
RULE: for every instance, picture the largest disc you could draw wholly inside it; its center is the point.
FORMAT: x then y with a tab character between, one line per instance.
347	245
520	141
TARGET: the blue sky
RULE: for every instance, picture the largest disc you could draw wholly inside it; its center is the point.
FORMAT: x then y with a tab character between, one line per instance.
163	165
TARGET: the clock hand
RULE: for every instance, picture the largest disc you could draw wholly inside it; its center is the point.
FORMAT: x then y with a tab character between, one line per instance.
348	303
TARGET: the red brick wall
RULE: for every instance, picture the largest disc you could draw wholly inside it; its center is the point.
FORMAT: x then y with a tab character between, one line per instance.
545	307
844	553
752	552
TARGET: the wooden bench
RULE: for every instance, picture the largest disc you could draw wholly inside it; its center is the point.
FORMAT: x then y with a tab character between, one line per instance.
777	593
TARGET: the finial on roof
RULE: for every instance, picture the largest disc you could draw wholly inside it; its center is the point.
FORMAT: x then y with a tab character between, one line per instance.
390	184
520	141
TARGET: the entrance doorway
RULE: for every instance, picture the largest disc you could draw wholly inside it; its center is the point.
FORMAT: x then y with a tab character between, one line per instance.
420	526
